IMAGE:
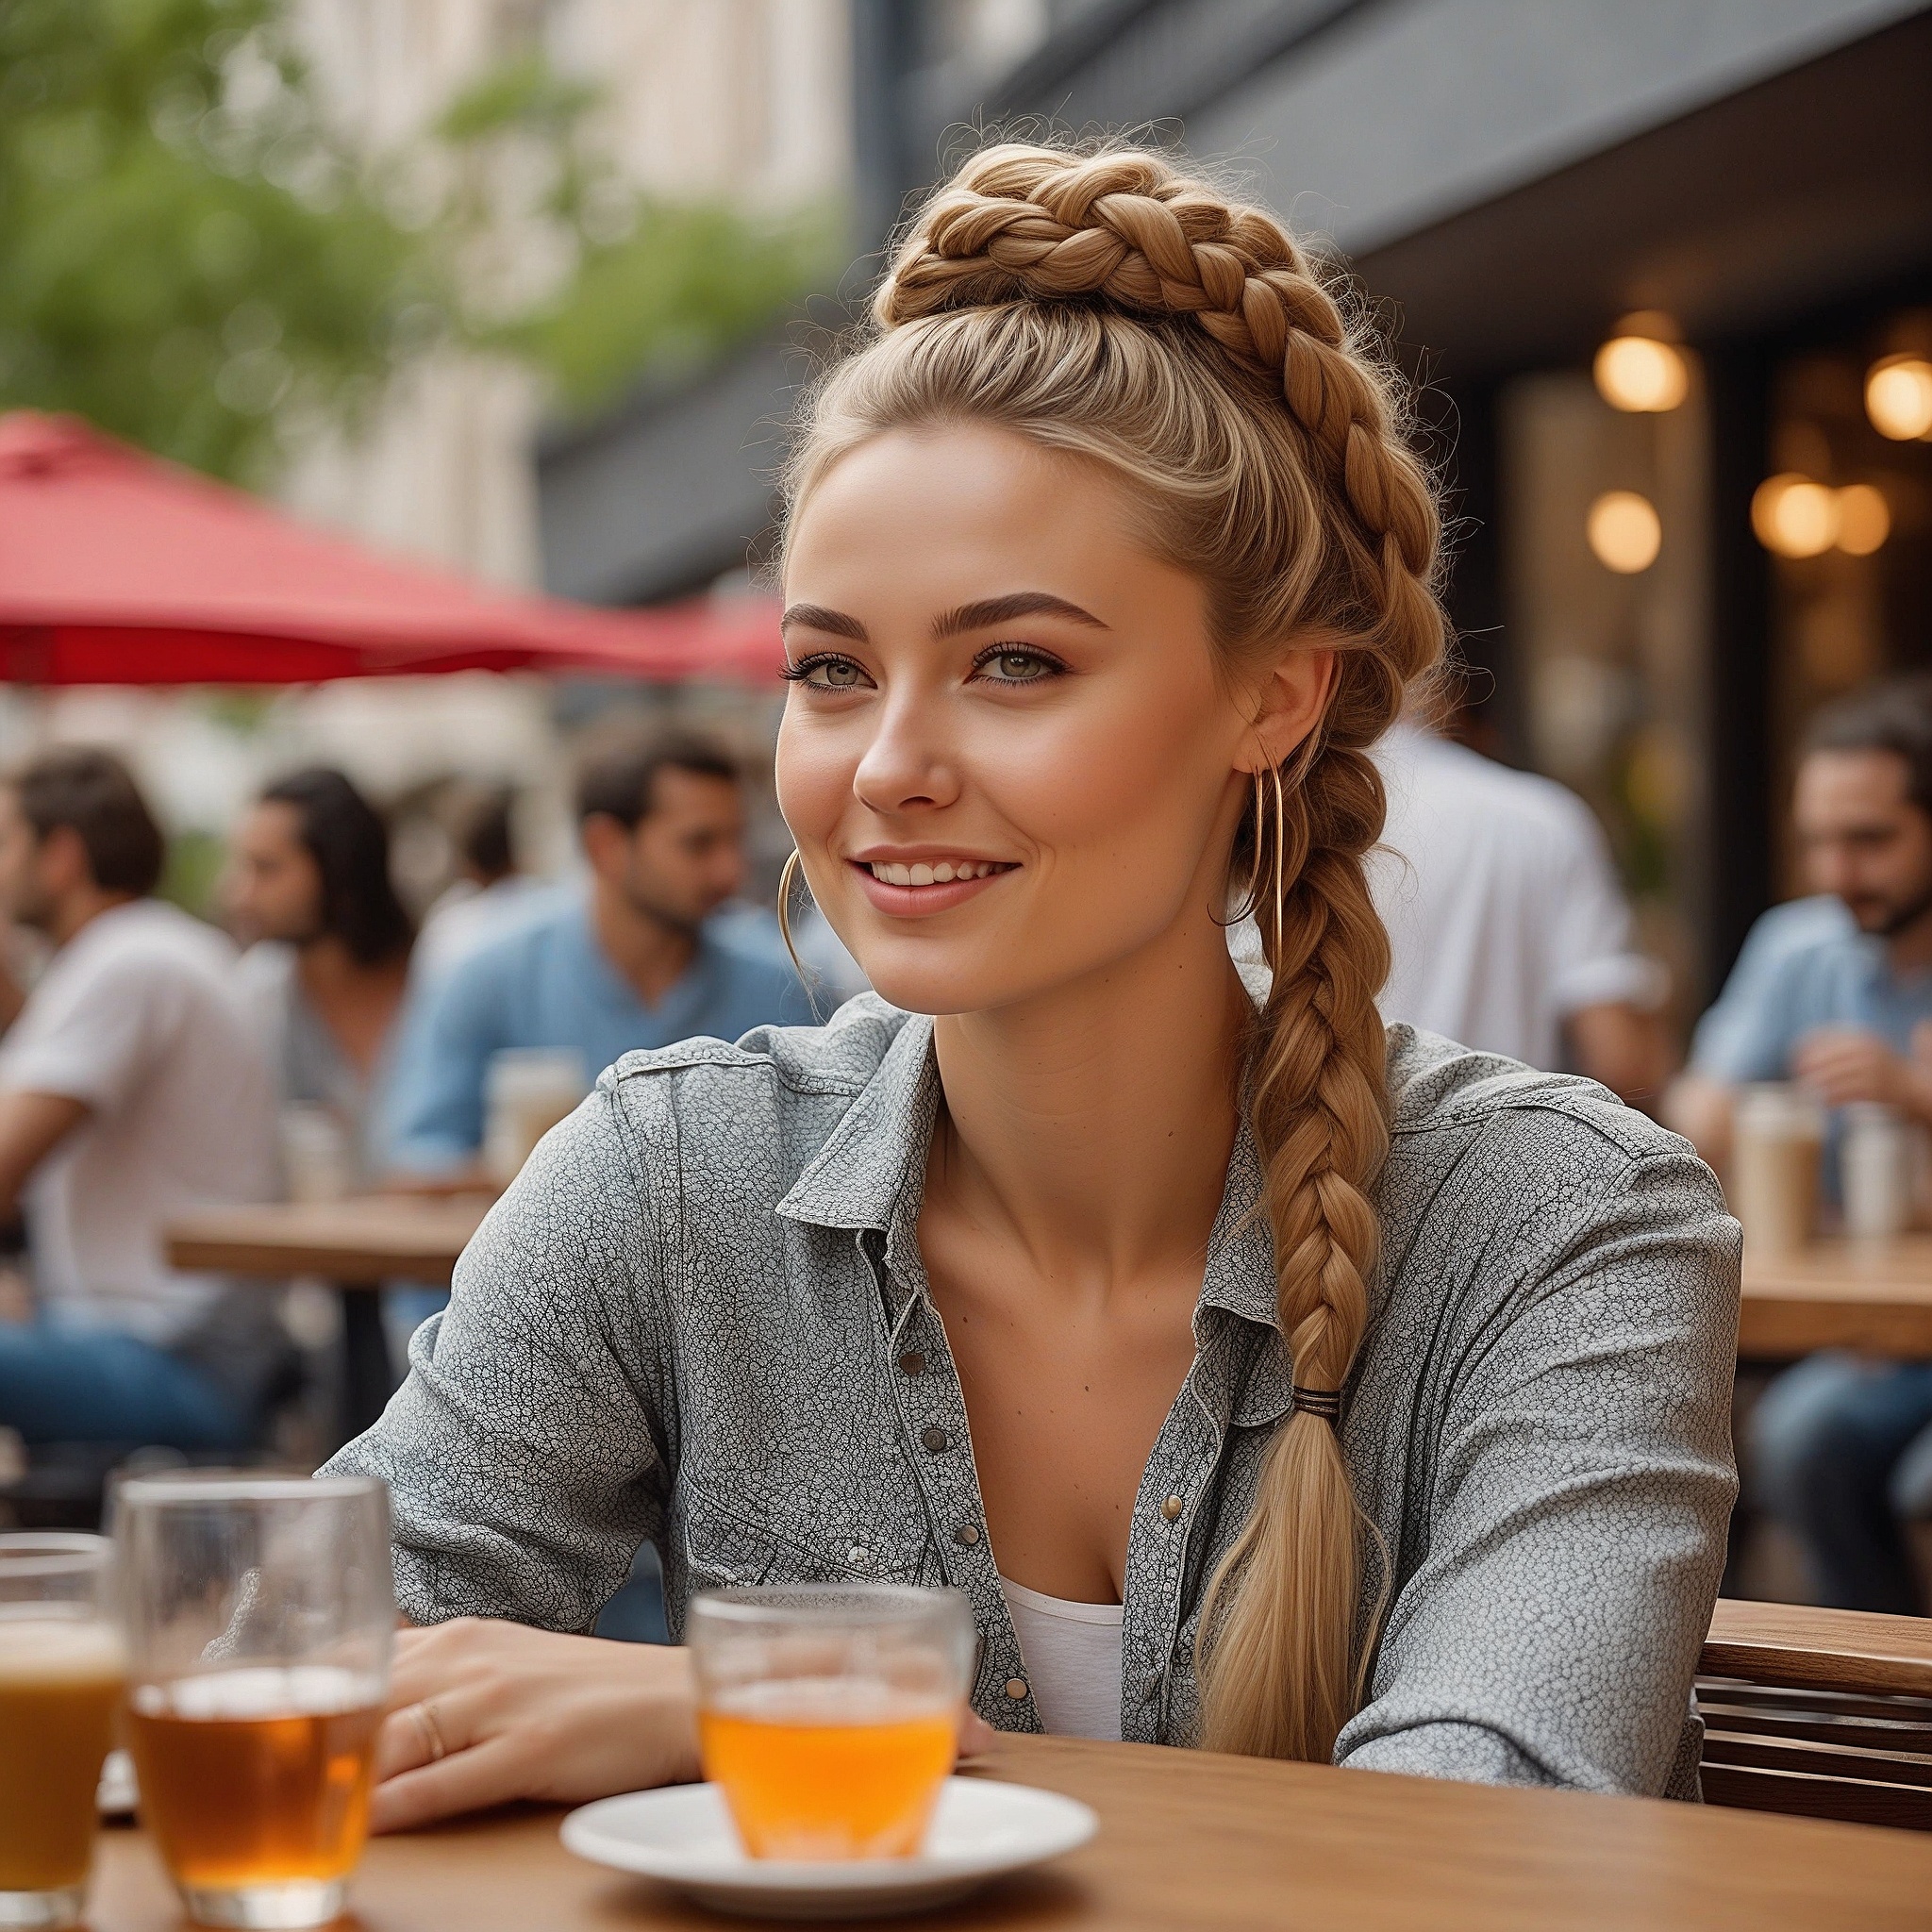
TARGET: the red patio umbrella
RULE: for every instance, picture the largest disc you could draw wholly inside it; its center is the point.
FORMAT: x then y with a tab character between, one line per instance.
117	568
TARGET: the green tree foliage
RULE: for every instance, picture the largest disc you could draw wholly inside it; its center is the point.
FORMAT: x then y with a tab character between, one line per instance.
185	257
193	259
654	286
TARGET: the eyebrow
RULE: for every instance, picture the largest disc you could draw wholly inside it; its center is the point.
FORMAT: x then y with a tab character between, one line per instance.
816	617
988	611
993	610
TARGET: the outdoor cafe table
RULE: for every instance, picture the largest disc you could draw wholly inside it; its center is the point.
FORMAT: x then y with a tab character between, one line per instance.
1875	1297
357	1245
1193	1840
1837	1293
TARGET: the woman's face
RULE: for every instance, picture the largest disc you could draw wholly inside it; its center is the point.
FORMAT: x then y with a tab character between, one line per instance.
1008	758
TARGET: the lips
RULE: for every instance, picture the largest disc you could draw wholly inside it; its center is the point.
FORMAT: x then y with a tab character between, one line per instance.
919	888
942	871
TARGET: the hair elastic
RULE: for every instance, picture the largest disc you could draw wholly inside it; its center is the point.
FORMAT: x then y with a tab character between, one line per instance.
1325	1403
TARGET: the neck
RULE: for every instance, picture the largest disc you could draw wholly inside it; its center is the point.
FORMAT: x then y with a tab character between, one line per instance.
650	952
81	908
1096	1123
356	1002
1909	949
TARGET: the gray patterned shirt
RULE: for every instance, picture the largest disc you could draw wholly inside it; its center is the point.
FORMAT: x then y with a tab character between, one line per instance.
700	1317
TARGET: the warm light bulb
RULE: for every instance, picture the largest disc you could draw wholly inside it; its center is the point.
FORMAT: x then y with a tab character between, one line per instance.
1794	516
1864	519
1625	531
1635	372
1898	397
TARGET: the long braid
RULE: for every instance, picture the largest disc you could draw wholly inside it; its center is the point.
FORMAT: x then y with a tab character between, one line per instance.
1043	288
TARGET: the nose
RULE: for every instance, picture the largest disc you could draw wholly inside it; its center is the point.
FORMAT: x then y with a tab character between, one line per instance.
907	766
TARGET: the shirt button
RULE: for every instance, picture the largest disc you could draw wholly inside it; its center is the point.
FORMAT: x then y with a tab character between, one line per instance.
1016	1689
967	1533
1172	1508
912	1363
934	1437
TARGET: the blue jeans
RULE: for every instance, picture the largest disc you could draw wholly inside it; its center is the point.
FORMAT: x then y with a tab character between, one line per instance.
61	1385
1827	1443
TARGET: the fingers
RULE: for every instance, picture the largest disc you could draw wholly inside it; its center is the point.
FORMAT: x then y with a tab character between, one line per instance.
428	1662
977	1737
422	1733
463	1781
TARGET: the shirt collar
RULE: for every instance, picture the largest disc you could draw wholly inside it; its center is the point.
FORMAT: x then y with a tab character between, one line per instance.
871	1173
877	1154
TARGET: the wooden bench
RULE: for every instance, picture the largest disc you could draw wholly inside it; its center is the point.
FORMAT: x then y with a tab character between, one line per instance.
1826	1713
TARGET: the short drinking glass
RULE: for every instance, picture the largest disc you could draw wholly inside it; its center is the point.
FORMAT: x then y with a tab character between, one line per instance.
259	1616
828	1714
61	1673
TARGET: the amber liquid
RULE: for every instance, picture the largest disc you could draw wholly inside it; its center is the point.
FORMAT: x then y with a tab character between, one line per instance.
253	1778
59	1686
827	1768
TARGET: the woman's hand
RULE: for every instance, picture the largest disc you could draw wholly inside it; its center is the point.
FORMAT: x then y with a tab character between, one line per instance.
481	1712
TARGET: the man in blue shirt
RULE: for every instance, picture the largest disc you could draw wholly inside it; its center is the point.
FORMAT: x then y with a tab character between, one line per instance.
632	962
1836	992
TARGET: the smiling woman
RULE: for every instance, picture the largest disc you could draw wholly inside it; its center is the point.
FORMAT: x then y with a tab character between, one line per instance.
1324	1390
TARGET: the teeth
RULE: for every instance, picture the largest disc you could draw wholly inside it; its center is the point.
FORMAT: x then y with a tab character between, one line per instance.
943	874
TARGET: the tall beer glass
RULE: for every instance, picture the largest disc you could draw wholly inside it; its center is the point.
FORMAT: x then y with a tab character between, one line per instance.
259	1615
61	1671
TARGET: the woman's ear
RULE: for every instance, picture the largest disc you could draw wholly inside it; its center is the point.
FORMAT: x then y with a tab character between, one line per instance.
1288	705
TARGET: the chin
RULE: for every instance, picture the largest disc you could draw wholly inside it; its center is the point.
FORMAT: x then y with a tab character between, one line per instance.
940	989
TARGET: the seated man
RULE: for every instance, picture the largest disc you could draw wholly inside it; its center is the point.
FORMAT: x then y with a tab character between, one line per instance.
130	1088
631	963
1830	990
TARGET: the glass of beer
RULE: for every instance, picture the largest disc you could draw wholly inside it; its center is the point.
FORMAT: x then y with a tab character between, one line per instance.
61	1672
828	1714
260	1614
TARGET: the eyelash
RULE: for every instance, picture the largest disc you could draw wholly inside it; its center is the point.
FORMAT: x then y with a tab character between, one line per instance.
798	673
801	672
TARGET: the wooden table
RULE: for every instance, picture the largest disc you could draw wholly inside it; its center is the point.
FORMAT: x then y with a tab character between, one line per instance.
357	1245
1216	1844
1875	1297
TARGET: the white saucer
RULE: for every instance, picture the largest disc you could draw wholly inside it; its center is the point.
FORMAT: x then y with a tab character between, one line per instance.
683	1836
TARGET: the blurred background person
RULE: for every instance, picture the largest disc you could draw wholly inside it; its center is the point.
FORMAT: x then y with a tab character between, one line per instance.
1507	929
131	1087
1830	990
635	961
489	889
309	892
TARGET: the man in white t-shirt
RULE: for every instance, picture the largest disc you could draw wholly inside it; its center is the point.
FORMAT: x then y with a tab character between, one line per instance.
131	1087
1506	926
1506	929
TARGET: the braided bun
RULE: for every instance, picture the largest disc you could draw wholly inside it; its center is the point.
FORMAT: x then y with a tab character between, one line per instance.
1106	305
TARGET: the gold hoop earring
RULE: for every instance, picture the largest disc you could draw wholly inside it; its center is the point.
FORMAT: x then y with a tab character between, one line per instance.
788	877
1280	853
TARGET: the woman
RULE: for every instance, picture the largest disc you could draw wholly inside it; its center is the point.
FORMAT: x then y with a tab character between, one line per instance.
1380	1389
308	890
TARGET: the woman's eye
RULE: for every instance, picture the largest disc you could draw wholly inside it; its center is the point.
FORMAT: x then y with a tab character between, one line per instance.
1018	667
829	673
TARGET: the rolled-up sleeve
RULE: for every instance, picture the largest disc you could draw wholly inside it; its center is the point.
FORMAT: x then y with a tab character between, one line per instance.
526	1453
1577	1496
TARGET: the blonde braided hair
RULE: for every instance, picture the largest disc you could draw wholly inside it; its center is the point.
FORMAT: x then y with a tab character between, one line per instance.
1107	306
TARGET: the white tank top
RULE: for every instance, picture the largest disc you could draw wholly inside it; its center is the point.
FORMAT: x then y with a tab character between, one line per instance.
1072	1656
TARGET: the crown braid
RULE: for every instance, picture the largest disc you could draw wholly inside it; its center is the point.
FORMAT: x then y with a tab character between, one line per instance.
1020	221
1106	305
